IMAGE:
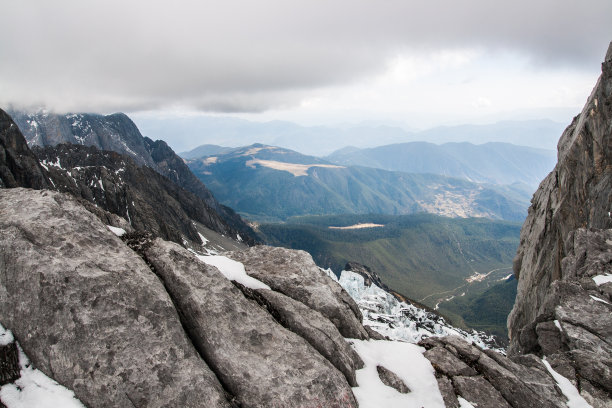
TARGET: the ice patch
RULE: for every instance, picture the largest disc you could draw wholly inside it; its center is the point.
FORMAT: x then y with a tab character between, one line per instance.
408	363
598	299
601	279
558	325
232	270
117	231
574	399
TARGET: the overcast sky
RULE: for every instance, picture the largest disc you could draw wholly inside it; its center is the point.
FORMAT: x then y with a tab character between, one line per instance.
421	62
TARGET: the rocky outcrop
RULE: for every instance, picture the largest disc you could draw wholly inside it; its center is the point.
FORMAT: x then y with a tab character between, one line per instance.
560	312
142	322
258	361
576	194
89	312
18	166
149	201
294	274
311	325
489	379
118	133
390	379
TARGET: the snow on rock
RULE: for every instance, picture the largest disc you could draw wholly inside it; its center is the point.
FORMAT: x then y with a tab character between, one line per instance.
116	230
407	362
601	279
399	320
574	399
33	388
232	270
464	404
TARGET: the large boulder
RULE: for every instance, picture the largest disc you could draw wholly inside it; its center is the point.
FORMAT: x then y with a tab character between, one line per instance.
256	359
89	312
294	274
488	378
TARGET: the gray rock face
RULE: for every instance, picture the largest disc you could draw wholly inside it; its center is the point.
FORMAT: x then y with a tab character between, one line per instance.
390	379
490	379
315	328
258	361
18	166
566	240
294	274
89	312
576	194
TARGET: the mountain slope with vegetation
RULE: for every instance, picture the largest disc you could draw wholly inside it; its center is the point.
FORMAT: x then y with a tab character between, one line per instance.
266	183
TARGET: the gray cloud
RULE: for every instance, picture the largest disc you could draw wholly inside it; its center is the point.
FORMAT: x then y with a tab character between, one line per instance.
255	55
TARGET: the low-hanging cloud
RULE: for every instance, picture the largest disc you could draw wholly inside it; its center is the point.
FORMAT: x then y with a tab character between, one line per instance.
252	56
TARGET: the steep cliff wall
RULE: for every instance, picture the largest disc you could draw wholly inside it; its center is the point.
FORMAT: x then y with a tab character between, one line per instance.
565	243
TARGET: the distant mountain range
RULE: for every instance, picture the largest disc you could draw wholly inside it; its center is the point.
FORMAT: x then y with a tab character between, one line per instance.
268	183
186	132
498	163
119	134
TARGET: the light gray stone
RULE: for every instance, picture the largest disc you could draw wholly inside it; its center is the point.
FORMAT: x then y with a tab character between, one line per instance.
479	392
88	311
257	360
390	379
294	274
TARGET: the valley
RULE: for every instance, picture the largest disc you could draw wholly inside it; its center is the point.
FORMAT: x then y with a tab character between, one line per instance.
444	263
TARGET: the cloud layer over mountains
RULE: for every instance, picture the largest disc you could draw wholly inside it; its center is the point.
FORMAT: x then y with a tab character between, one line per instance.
236	56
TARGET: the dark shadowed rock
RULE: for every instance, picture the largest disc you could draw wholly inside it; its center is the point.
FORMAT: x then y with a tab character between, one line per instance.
315	328
9	363
480	393
294	274
255	358
18	166
88	311
390	379
373	334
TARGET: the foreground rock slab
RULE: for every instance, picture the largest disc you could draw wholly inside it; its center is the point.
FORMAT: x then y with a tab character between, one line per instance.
257	360
294	274
89	312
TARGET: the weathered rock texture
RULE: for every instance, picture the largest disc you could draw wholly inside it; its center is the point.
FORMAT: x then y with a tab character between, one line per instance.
489	379
294	274
256	359
315	328
88	311
390	379
566	240
18	166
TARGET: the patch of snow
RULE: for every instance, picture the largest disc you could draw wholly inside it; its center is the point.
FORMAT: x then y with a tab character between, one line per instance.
204	240
558	325
100	183
238	237
116	230
464	404
329	273
598	299
402	321
33	388
408	363
601	279
574	399
358	226
233	270
6	336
